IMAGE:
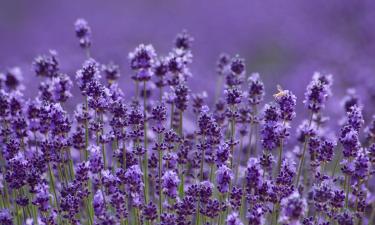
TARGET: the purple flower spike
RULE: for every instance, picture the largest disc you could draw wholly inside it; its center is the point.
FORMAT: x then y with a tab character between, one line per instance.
223	178
170	183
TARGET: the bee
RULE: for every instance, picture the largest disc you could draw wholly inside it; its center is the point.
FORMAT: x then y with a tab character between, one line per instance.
280	92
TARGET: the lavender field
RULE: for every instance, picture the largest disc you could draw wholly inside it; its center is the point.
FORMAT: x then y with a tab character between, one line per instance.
181	113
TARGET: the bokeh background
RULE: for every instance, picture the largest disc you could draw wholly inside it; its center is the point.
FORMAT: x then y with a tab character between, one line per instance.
285	41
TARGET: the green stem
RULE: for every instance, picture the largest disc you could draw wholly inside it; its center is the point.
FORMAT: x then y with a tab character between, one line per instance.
300	166
145	140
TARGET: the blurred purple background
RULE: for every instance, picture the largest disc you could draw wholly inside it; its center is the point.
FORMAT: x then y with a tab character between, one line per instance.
286	41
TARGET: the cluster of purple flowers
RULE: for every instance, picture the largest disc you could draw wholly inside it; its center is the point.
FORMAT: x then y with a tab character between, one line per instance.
164	157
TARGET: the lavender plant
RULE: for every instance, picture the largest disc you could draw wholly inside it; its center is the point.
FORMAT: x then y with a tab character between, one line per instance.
120	159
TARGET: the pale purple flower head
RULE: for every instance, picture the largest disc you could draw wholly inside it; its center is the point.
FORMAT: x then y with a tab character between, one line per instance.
293	208
170	183
233	219
83	33
223	178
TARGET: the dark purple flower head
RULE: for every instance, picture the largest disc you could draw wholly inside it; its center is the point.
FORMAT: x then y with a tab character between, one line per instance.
150	212
272	132
89	72
212	209
222	154
287	104
134	179
223	178
256	91
205	191
355	117
326	150
292	208
350	141
345	218
160	67
170	183
13	79
16	172
83	33
253	174
256	214
111	72
233	96
271	113
237	65
159	113
168	219
142	57
318	92
184	41
361	166
322	193
46	65
337	201
236	197
182	96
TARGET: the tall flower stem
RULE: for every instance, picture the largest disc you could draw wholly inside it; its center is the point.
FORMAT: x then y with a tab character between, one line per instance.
301	163
159	176
347	188
181	168
53	187
145	140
